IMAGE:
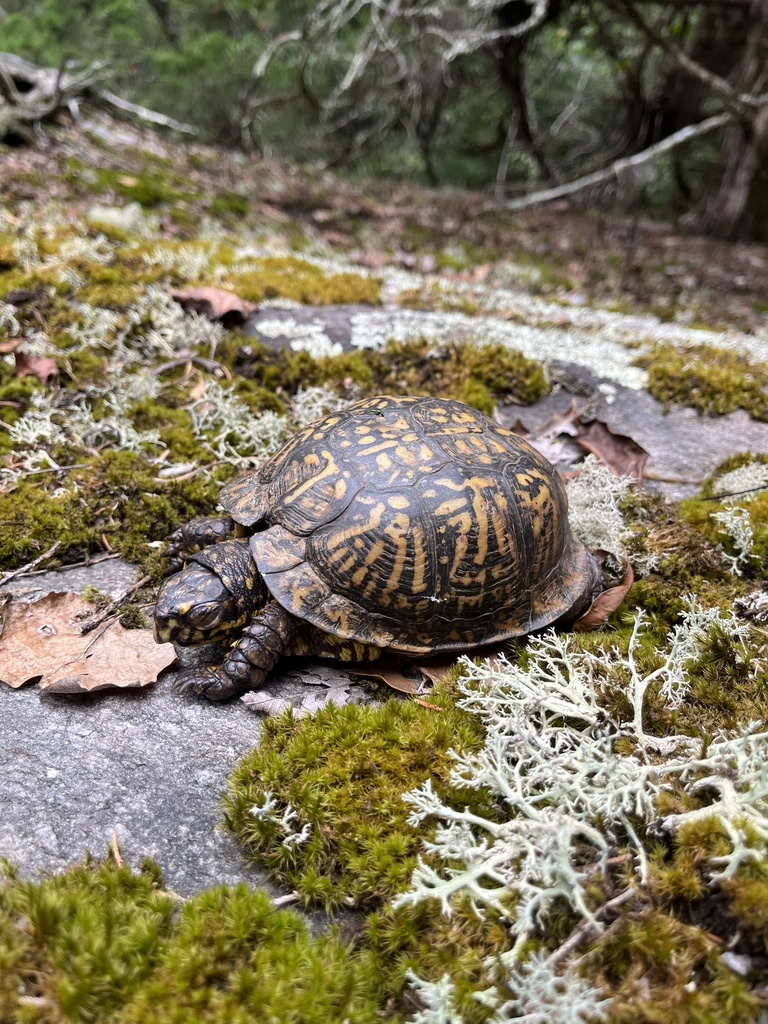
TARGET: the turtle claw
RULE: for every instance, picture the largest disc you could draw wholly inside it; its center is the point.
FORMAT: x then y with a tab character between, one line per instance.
206	681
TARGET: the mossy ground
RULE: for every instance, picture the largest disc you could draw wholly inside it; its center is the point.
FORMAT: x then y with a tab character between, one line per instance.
105	945
709	379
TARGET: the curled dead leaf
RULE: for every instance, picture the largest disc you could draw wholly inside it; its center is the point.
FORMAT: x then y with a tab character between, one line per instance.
605	604
618	451
42	367
216	304
390	673
42	641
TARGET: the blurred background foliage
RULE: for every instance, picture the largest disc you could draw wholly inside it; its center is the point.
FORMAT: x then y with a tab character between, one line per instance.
591	81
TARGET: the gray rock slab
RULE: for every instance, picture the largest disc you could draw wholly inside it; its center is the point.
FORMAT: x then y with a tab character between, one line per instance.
149	764
684	447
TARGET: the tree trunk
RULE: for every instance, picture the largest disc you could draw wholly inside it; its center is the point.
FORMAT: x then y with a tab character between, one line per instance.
724	211
511	73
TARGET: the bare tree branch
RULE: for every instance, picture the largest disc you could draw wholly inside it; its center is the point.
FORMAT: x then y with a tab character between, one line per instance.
616	169
738	101
144	113
54	88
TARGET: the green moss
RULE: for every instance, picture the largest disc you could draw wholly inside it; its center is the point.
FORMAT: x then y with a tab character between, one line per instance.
292	278
101	943
15	394
80	943
712	380
662	971
234	958
117	500
174	426
150	187
479	375
344	772
230	203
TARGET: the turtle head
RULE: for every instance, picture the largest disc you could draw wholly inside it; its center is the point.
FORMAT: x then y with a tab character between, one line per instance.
215	595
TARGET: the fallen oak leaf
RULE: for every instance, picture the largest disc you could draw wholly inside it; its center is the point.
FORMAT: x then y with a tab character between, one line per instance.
387	672
605	604
216	304
618	451
42	641
42	367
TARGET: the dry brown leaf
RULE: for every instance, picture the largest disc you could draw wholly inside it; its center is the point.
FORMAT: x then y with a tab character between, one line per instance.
43	640
618	451
216	304
256	700
42	367
10	345
605	604
389	673
546	440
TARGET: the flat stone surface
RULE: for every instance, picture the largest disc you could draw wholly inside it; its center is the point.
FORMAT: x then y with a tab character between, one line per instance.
684	447
147	763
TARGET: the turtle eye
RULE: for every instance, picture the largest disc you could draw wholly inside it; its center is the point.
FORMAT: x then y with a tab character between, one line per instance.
204	616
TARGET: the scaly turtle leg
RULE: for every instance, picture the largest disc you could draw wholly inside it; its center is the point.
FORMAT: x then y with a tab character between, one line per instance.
246	666
196	535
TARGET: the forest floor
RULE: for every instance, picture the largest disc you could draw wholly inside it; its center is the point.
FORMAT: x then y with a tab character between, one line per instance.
168	317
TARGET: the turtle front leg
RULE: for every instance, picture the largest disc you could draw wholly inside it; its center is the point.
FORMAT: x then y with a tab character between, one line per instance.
196	535
248	662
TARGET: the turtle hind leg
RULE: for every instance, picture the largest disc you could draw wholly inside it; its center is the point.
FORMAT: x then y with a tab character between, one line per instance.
196	535
270	635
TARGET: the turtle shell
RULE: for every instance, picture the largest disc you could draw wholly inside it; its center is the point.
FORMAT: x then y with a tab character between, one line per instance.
413	523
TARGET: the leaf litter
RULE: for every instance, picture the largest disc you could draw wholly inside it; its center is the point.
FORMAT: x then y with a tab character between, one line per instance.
43	641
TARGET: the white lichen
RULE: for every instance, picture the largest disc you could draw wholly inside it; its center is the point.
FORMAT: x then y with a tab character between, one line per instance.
309	404
438	1000
283	818
744	482
736	523
539	994
593	507
229	430
570	798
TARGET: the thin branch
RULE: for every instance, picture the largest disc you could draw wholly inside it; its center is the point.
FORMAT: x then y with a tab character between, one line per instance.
144	113
715	82
24	569
114	606
616	169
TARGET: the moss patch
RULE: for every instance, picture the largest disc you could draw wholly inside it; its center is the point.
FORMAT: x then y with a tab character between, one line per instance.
344	772
290	277
76	946
479	375
712	380
117	500
103	943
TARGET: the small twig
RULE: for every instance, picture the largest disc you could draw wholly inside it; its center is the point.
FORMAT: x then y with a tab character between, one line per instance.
734	494
425	704
586	927
74	565
116	855
282	901
25	569
48	469
114	605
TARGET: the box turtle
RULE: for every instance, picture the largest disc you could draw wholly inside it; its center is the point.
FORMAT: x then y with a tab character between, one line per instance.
397	524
